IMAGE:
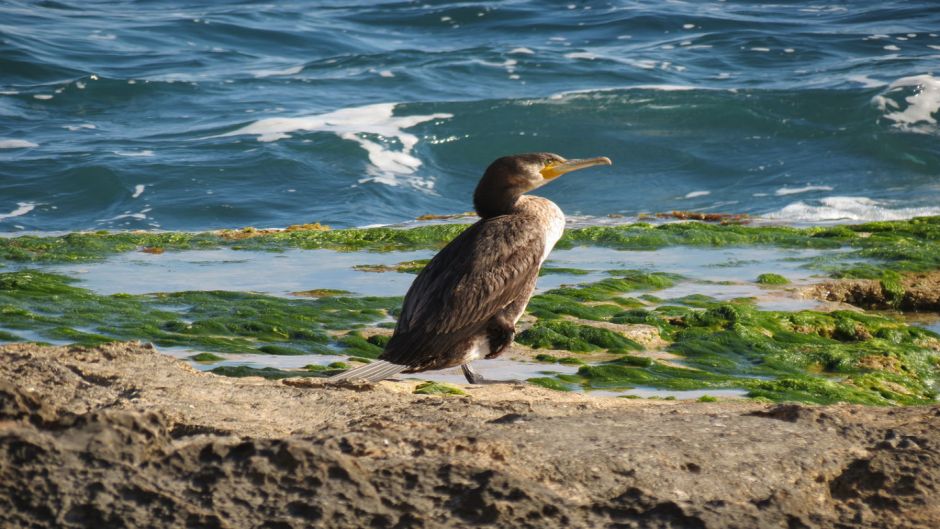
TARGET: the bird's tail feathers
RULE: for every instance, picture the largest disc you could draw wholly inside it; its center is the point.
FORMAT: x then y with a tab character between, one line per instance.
374	372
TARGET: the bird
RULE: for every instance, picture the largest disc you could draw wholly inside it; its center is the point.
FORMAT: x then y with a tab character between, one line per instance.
464	305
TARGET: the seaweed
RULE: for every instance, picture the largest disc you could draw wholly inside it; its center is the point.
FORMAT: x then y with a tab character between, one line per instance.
438	388
772	279
213	321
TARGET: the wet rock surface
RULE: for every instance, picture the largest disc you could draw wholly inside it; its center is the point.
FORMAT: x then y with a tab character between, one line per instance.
122	436
917	291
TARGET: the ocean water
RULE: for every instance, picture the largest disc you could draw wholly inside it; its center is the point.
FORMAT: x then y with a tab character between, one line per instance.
191	115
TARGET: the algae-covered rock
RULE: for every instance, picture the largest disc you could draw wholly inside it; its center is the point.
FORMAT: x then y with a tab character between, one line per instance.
438	388
50	306
552	334
772	279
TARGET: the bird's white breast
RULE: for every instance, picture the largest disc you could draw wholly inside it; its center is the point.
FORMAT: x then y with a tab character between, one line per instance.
554	229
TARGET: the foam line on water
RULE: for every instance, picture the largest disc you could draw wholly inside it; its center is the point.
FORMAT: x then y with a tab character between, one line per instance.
783	191
22	208
17	144
388	165
848	209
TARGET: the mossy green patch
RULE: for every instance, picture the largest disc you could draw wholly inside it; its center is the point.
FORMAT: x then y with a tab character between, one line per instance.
328	370
570	336
356	344
806	356
566	360
438	388
600	300
551	383
83	246
321	293
206	357
407	267
266	372
546	270
772	279
216	321
908	245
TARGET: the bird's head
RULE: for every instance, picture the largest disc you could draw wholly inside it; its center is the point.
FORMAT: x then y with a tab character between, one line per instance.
510	176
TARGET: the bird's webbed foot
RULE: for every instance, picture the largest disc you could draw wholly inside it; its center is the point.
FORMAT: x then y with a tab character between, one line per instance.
474	377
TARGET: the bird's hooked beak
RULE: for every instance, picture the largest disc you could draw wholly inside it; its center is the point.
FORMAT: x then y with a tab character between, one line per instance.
555	169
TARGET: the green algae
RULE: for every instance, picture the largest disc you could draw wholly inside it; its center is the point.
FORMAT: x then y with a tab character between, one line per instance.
806	356
206	357
214	321
600	300
330	369
270	373
547	270
772	279
321	293
356	344
551	359
551	383
907	245
84	246
438	388
707	398
560	334
406	267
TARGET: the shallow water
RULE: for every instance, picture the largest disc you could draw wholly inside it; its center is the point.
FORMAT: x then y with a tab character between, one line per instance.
275	273
197	115
723	273
281	273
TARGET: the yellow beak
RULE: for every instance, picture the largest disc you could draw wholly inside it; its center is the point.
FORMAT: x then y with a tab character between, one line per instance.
552	171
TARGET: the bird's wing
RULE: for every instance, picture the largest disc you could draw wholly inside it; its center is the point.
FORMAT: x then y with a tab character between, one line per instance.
483	270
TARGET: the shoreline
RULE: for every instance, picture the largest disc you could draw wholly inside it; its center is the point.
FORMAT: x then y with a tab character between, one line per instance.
674	307
122	435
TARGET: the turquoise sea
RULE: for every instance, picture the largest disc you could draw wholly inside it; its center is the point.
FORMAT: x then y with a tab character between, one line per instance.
189	115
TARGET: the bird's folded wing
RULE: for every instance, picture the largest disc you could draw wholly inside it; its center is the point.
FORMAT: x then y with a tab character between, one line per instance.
479	273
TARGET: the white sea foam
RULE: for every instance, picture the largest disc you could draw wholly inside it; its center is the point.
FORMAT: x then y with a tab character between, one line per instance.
22	208
694	194
892	47
140	215
586	55
388	166
659	87
17	144
922	102
848	209
138	190
521	51
80	126
144	153
43	97
796	190
276	73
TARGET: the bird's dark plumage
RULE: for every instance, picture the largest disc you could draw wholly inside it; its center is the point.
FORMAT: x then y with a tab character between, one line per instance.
463	292
465	303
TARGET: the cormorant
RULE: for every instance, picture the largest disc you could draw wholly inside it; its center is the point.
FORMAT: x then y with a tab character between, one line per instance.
465	304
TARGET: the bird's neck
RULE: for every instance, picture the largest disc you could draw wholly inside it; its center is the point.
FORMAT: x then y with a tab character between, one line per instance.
493	203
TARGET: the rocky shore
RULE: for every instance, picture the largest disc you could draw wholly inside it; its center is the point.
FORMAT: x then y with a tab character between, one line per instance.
123	436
